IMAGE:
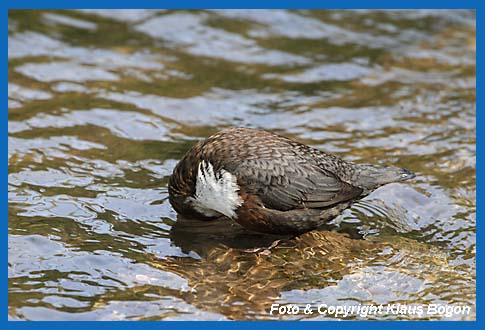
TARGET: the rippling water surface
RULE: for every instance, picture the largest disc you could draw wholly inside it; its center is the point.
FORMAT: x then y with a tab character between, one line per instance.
102	104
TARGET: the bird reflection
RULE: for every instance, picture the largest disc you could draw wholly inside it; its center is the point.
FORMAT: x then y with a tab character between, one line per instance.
191	234
203	236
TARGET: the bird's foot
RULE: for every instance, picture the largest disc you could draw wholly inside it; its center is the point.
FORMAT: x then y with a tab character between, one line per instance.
264	250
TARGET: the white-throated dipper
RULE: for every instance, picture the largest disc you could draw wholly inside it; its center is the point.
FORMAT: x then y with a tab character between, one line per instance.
269	183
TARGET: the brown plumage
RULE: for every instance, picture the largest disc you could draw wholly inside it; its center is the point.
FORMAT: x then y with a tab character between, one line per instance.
269	183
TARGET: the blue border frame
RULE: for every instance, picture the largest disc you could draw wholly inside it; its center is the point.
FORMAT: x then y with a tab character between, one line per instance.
5	5
194	4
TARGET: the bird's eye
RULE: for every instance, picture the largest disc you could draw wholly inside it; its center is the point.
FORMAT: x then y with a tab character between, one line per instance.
404	175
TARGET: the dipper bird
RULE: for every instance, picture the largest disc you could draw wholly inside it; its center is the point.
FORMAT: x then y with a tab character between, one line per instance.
269	183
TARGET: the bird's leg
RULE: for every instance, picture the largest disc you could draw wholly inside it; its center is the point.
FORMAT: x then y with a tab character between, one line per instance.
264	250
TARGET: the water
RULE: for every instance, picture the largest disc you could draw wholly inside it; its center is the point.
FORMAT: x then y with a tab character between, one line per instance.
103	103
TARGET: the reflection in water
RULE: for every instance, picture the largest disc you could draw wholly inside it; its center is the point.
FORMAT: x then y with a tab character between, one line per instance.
238	282
103	103
201	236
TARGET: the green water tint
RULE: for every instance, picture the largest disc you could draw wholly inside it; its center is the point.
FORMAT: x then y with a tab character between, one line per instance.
102	104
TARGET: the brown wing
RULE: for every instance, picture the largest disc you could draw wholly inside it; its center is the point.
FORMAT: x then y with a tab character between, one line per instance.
291	183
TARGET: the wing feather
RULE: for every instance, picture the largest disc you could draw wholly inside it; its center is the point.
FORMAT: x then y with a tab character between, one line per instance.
291	185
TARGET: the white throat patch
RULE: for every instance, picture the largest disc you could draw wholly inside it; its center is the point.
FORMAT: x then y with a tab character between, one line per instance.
215	193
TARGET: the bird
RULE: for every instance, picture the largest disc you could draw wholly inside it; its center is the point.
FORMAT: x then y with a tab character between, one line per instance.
268	183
